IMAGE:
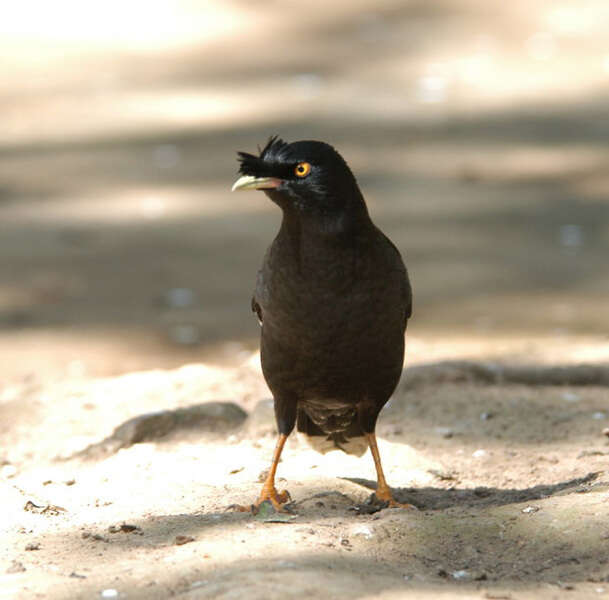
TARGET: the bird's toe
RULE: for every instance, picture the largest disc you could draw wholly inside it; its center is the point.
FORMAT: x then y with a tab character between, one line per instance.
274	497
395	504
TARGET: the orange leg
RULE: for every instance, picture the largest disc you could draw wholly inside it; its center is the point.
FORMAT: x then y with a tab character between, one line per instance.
383	492
269	491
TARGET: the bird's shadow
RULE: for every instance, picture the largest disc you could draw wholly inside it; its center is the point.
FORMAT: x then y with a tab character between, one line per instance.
430	498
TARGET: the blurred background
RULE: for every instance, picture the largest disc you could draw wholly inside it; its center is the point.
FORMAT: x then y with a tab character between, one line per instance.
479	133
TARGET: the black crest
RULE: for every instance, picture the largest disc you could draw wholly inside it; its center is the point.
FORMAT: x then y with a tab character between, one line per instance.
262	165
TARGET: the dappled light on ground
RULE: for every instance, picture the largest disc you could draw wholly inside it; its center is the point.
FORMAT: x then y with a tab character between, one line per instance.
479	139
476	152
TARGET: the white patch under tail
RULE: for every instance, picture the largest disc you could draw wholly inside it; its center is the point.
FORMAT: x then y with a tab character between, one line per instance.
324	444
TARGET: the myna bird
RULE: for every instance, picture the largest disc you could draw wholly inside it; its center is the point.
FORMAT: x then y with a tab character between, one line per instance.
333	299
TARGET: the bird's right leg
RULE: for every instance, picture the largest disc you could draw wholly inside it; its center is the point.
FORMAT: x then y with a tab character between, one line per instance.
269	491
383	491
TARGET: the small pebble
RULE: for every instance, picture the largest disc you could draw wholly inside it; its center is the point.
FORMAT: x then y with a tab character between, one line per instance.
16	567
443	475
479	453
530	509
183	539
565	586
109	593
605	432
33	546
94	536
198	584
460	574
125	528
363	530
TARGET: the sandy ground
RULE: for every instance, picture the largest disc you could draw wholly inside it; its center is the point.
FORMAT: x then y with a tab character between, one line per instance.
511	482
479	138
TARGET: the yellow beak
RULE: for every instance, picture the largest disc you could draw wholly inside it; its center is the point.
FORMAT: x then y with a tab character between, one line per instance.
249	182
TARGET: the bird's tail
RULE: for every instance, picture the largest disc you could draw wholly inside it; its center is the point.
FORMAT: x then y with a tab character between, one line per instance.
351	440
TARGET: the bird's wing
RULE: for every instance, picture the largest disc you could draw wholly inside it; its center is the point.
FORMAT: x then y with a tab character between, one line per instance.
405	282
257	309
407	295
256	302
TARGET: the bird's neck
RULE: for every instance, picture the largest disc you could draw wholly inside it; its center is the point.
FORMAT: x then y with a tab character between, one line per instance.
332	223
331	227
314	242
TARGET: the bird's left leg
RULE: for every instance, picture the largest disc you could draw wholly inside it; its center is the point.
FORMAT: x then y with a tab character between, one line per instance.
285	415
269	492
383	492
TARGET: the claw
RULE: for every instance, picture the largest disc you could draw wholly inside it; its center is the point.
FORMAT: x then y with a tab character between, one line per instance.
278	500
383	495
269	492
391	503
275	498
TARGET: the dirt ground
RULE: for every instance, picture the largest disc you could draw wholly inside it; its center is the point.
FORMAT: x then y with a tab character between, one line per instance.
511	483
479	138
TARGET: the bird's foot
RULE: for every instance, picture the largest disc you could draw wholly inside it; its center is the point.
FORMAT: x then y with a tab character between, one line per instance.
395	504
275	498
384	496
268	494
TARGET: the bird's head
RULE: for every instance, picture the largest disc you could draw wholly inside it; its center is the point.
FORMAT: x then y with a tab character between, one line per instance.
308	177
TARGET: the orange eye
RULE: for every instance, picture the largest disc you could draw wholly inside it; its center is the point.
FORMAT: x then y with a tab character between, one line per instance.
302	169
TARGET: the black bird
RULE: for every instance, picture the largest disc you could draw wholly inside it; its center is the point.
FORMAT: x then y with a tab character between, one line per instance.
333	298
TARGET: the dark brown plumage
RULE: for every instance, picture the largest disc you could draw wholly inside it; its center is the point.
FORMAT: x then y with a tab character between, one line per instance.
333	299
